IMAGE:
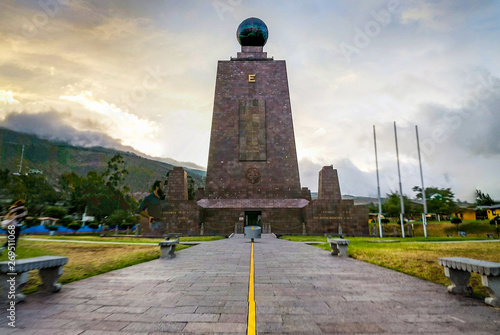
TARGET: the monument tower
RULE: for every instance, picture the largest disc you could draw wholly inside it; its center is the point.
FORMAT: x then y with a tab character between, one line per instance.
252	172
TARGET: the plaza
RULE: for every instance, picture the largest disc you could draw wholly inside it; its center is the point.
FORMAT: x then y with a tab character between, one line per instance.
299	289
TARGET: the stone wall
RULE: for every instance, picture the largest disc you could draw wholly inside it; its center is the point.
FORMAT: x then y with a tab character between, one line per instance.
329	212
325	217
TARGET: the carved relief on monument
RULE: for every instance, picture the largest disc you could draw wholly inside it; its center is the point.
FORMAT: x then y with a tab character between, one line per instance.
252	130
253	175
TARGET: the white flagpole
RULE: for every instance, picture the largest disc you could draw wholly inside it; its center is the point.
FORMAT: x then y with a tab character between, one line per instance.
378	186
401	215
424	214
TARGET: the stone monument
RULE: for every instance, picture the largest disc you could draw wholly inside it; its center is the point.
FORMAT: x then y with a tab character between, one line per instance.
252	172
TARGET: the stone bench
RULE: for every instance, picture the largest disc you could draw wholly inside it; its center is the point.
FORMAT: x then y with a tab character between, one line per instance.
459	269
167	247
14	275
339	246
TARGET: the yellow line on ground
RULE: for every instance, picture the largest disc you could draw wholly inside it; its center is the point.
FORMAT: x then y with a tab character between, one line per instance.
251	329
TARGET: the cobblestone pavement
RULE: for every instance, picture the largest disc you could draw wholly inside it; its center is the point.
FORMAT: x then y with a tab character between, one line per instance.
299	289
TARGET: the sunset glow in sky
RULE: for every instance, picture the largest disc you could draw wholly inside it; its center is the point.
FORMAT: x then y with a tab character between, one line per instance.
141	74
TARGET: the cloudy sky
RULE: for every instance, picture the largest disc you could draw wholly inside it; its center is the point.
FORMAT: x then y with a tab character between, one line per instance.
142	75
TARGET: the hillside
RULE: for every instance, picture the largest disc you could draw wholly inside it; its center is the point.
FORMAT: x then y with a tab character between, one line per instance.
55	158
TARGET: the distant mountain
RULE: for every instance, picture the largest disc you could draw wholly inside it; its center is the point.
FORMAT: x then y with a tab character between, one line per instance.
361	200
55	158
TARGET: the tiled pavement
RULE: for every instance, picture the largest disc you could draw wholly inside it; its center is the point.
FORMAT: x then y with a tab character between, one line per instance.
299	289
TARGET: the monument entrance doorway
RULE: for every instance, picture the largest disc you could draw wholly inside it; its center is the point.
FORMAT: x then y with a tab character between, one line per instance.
253	218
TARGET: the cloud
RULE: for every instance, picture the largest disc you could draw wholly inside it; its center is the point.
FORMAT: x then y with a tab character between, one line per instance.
7	97
473	126
51	125
119	124
442	15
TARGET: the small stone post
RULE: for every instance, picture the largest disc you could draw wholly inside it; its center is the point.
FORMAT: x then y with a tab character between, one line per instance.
202	229
303	228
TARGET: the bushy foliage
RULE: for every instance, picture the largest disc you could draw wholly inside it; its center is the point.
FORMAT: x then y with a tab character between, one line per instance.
439	200
55	212
483	199
99	194
64	221
122	218
31	222
93	225
75	225
392	205
34	188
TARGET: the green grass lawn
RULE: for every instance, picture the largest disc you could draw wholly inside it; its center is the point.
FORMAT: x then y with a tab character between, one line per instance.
477	229
414	256
124	239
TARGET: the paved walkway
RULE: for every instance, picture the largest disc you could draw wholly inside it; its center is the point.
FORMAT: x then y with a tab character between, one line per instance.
299	289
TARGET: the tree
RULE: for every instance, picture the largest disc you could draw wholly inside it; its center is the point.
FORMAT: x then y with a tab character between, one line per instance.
101	194
439	200
55	212
373	208
36	190
5	179
116	172
392	205
483	199
120	217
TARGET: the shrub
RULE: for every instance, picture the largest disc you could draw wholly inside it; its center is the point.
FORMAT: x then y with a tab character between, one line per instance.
456	221
496	220
75	225
52	227
93	225
65	221
31	222
385	220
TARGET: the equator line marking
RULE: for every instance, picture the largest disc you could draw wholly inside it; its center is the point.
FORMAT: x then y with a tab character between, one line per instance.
251	329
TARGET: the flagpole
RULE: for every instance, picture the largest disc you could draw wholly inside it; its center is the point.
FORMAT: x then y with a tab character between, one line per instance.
400	185
378	185
424	198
